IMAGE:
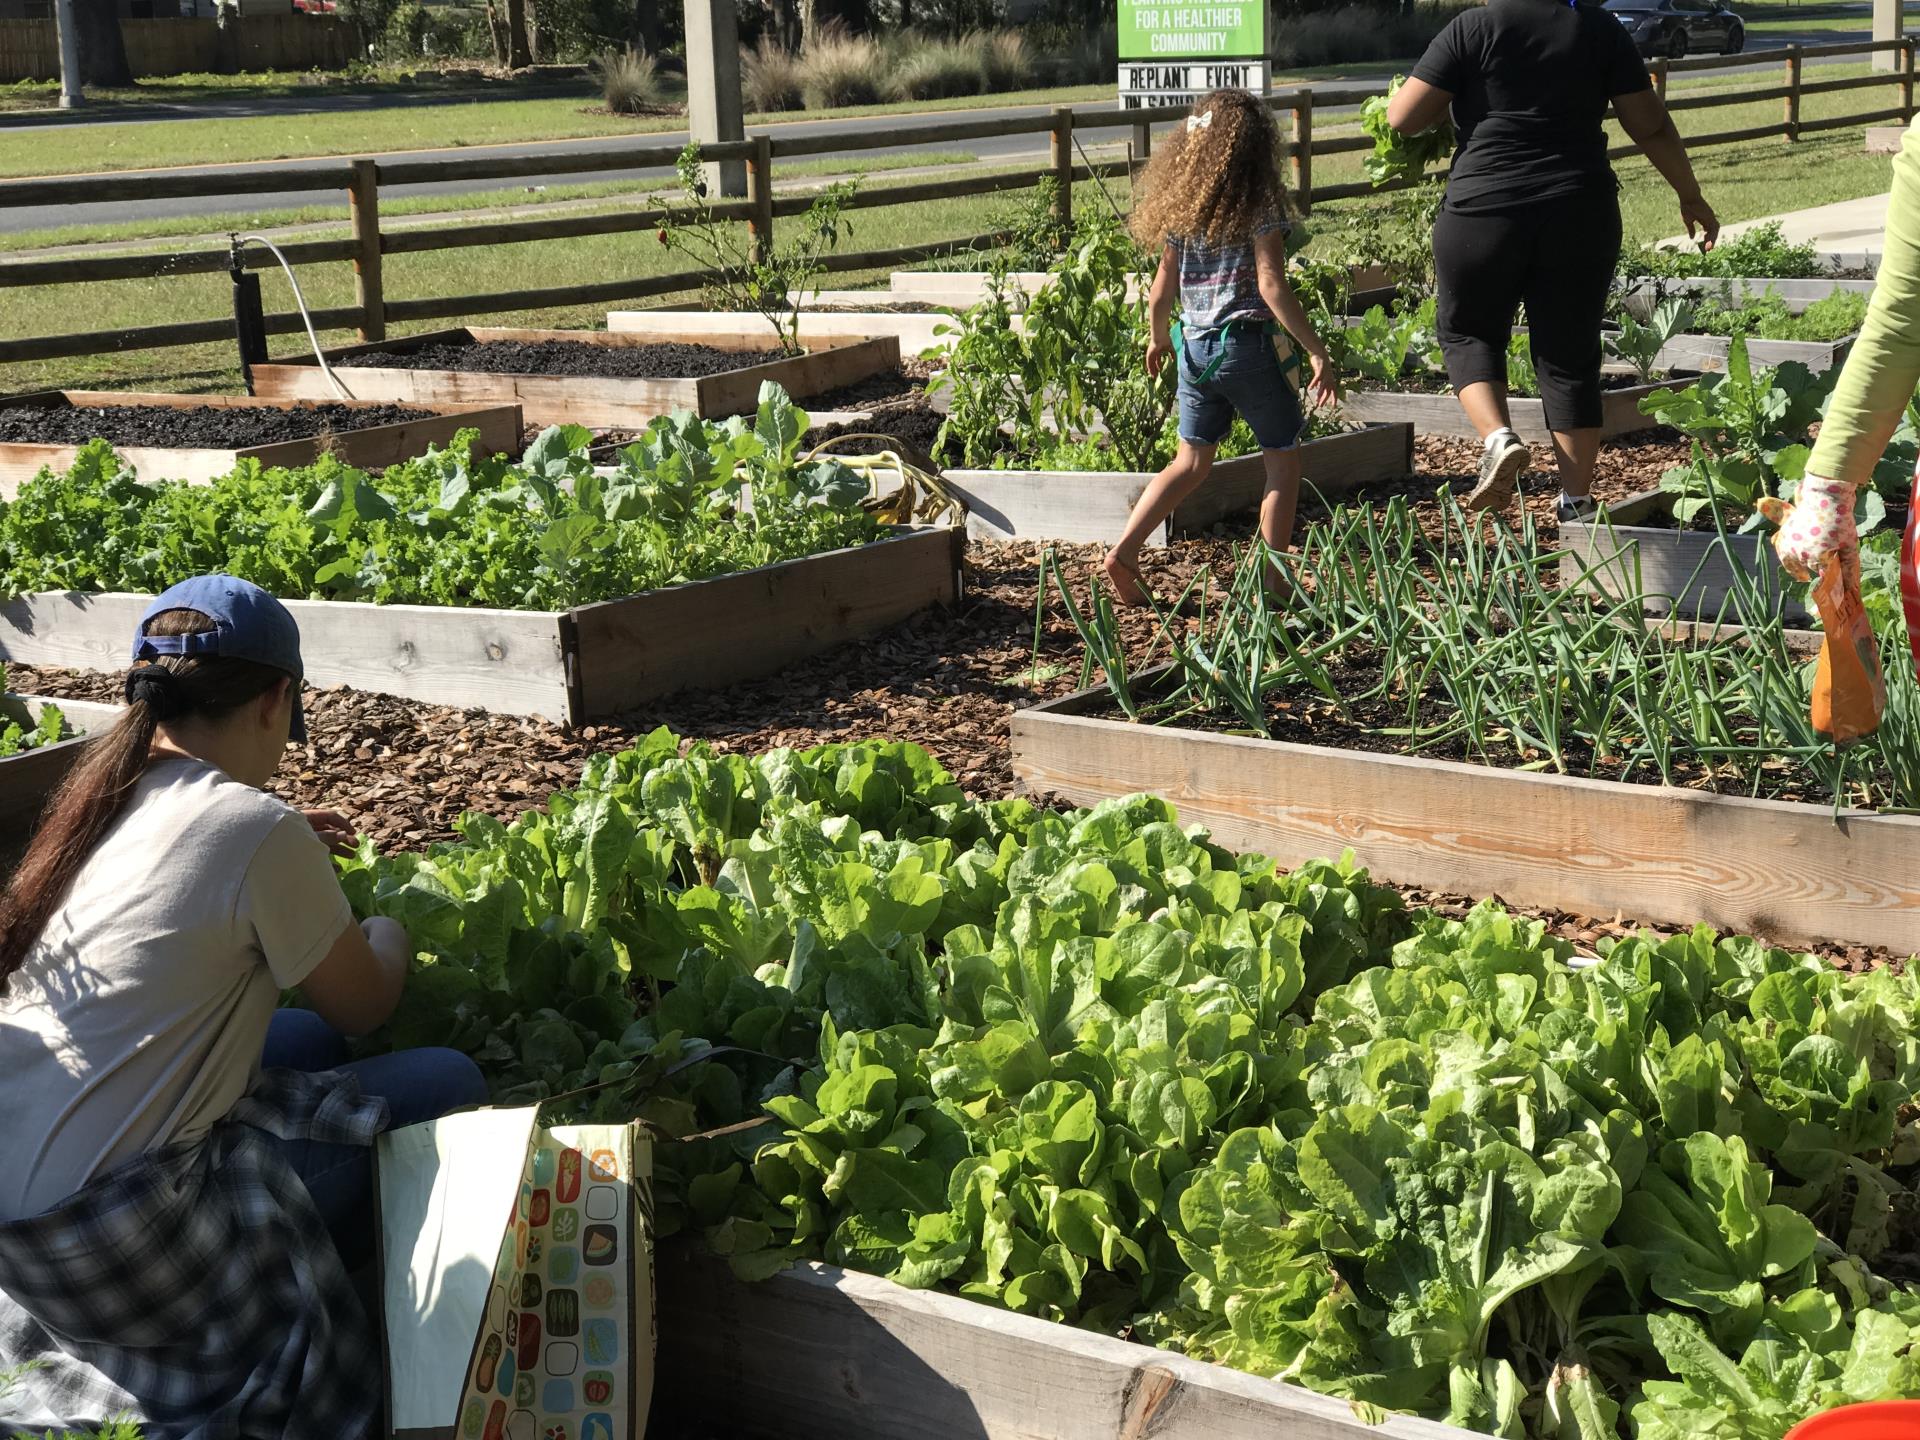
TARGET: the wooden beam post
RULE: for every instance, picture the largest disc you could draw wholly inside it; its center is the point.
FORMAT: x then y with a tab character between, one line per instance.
1063	164
1303	152
363	209
1793	63
1889	23
1906	81
1142	147
760	196
1659	69
714	108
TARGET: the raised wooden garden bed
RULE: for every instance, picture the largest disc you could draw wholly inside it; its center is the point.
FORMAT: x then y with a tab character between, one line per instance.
567	665
1442	415
1796	873
28	778
370	448
819	1353
607	401
1687	573
1796	294
1709	353
1091	507
914	330
1372	285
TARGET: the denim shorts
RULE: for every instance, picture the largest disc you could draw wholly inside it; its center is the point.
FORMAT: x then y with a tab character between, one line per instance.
1249	380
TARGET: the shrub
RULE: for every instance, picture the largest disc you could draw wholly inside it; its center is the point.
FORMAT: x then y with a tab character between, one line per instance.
630	81
406	31
770	77
1353	34
933	68
840	69
1009	62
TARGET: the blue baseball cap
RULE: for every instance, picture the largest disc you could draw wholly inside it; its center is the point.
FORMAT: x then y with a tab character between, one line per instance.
248	624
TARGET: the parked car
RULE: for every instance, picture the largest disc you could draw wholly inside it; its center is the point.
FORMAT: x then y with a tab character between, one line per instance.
1675	27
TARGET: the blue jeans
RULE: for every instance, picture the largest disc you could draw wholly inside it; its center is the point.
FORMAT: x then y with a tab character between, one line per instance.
416	1084
1248	380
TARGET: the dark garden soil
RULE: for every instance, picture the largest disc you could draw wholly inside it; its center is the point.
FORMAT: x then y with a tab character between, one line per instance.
669	360
912	424
905	383
210	427
948	680
884	305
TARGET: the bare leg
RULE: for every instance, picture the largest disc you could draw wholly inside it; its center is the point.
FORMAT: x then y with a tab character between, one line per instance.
1576	451
1486	407
1277	507
1191	466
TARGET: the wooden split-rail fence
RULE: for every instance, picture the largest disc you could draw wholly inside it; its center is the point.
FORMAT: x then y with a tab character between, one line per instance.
374	309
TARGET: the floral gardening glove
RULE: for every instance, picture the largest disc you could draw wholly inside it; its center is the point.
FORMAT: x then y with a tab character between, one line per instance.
1817	524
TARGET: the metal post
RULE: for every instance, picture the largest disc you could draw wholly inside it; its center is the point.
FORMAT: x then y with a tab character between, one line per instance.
714	106
1793	93
1063	164
66	26
363	210
1303	152
760	196
249	320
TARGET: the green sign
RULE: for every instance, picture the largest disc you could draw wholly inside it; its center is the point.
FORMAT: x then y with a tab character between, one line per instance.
1227	29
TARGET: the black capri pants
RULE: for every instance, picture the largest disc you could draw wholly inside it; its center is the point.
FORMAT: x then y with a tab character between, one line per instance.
1559	257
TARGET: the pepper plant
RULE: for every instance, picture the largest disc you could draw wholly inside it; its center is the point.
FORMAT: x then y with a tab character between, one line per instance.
771	284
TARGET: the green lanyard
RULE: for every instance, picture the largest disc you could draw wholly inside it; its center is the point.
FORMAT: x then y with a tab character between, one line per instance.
1270	327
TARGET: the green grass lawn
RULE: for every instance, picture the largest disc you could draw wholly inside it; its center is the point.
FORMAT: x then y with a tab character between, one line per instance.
137	145
134	234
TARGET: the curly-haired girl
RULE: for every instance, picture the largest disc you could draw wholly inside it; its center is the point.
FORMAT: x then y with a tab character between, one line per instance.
1214	205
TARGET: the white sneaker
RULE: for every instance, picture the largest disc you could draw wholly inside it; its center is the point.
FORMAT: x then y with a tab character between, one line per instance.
1574	509
1505	460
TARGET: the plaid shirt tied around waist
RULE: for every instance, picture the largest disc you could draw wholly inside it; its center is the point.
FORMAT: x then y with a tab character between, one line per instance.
195	1288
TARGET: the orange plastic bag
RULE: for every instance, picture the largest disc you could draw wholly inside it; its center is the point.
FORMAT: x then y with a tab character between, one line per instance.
1849	692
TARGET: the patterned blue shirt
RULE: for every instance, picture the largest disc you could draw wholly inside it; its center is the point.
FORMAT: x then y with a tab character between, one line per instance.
1222	283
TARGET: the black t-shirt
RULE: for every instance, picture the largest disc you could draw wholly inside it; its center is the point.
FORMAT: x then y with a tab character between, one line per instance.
1530	81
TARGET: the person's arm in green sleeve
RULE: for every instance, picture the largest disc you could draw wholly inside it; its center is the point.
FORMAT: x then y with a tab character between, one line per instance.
1872	394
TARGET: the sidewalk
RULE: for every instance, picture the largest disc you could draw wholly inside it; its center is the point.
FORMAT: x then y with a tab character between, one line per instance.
1847	234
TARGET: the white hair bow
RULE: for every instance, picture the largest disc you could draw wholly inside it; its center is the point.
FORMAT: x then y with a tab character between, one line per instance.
1199	122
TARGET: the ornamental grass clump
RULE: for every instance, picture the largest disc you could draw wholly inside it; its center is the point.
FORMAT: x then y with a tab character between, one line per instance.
772	78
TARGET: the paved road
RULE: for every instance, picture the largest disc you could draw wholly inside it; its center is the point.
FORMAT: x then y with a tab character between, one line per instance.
16	219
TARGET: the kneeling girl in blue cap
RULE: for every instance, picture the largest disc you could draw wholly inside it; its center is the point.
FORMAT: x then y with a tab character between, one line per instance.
185	1167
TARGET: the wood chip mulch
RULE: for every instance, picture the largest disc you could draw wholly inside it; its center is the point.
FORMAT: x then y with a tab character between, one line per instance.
948	680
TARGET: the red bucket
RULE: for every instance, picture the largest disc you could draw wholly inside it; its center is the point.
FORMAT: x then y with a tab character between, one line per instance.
1882	1420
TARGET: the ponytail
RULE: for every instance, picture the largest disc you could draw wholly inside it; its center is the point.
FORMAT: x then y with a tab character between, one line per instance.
96	791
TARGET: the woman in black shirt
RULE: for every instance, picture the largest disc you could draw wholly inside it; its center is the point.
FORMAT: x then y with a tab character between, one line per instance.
1532	214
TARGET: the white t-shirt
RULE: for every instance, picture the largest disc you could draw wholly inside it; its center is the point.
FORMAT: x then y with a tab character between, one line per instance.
139	1015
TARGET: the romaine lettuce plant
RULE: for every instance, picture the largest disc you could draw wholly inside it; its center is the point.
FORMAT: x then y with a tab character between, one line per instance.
1091	1067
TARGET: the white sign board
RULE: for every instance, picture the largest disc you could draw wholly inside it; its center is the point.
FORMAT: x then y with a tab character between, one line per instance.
1144	85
